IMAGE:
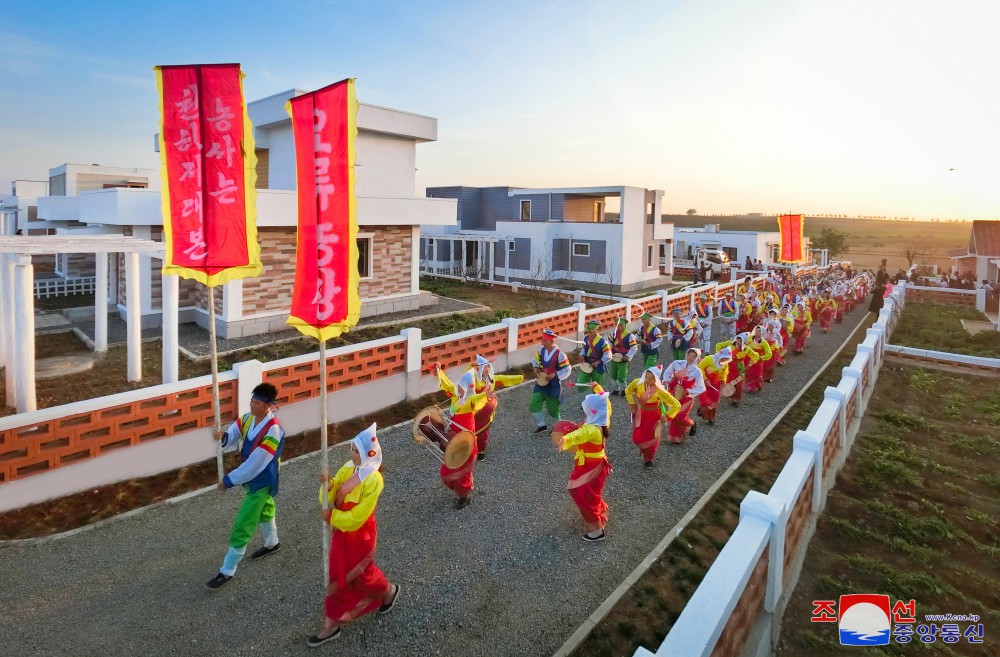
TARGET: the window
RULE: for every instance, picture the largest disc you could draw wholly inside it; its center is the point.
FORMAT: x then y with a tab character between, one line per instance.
511	246
364	257
731	252
649	214
649	255
525	210
581	249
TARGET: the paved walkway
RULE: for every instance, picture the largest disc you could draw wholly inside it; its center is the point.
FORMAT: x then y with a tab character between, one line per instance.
509	575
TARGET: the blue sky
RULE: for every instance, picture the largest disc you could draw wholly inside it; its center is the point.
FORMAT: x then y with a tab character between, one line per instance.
854	106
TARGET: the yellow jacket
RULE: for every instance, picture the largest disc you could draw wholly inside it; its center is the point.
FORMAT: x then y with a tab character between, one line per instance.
707	365
805	314
473	402
587	434
637	389
365	495
763	349
747	352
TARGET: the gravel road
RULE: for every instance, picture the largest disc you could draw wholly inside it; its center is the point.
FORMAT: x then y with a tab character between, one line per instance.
509	575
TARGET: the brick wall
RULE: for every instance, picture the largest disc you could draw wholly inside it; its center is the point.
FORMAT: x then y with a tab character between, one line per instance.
272	290
458	352
392	258
737	630
530	333
795	527
941	296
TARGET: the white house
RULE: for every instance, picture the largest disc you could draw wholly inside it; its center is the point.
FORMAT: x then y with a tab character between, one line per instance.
560	235
982	258
390	216
19	210
739	244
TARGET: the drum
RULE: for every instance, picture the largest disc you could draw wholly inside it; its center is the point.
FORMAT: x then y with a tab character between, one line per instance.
484	416
543	378
586	368
727	390
431	426
618	358
562	428
459	449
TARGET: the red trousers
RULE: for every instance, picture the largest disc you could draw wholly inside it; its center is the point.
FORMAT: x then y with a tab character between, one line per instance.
682	422
586	487
357	586
644	435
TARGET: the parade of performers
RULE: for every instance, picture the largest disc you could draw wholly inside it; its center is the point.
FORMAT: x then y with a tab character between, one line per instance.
357	586
596	354
650	405
685	381
551	367
590	463
623	348
649	339
465	404
680	332
260	440
699	375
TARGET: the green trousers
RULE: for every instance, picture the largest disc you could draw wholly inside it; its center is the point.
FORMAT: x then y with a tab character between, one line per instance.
539	399
649	361
595	377
257	507
619	371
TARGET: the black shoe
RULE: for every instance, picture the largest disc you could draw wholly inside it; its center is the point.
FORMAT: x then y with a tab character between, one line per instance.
647	465
694	429
736	403
264	551
463	502
594	539
540	429
316	642
218	581
481	456
387	607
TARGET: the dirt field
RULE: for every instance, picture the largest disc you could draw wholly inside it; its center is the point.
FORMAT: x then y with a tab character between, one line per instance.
871	239
914	515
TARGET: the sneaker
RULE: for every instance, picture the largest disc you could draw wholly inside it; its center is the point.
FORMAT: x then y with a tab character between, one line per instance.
264	551
316	642
218	581
647	465
593	539
540	429
463	502
387	607
694	428
481	456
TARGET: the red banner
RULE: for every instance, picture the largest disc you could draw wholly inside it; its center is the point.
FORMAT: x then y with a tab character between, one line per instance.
209	174
791	227
325	301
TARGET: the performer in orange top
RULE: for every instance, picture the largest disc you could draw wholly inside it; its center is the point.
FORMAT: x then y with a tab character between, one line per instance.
755	371
826	309
465	403
591	469
716	370
803	319
650	404
743	357
357	586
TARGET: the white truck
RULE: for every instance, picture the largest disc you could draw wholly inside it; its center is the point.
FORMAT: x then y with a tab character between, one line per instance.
714	263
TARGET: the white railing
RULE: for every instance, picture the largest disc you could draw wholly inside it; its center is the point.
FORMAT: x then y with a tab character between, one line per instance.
61	287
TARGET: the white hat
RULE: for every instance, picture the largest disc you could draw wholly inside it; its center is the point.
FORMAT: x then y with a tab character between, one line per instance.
370	451
598	409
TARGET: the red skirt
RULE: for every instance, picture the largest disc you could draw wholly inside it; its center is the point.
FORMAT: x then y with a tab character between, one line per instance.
800	333
682	422
826	317
484	418
769	366
734	373
586	487
755	376
357	586
644	435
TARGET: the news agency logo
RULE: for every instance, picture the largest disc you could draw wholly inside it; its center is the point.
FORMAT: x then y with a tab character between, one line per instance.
864	620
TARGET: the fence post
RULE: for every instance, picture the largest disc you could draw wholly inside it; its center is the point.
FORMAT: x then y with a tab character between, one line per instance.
814	446
511	323
879	332
414	358
869	362
855	373
663	298
841	399
249	374
981	300
581	318
771	510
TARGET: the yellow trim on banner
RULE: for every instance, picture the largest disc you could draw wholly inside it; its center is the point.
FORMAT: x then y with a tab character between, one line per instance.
325	333
253	267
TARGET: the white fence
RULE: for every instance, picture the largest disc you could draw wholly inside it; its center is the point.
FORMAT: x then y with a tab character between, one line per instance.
61	287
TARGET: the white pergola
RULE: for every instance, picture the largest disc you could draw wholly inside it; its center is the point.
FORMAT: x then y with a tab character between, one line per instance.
17	305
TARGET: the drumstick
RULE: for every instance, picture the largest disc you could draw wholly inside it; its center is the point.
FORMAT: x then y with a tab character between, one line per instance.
559	337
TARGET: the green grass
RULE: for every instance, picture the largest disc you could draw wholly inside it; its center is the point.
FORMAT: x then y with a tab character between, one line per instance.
938	327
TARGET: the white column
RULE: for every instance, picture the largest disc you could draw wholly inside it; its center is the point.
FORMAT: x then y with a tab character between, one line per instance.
772	511
5	309
133	316
434	262
168	304
9	326
101	303
24	310
416	253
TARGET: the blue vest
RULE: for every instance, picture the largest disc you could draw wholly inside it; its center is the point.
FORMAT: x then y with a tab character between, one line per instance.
591	351
268	477
553	388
